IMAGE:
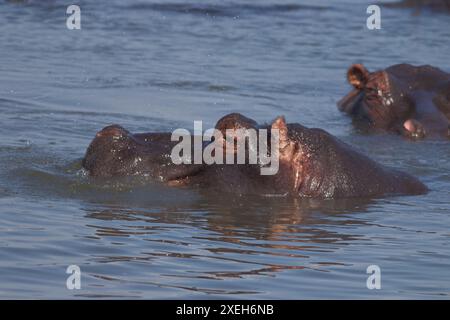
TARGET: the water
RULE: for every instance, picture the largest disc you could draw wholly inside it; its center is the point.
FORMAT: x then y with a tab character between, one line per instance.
159	65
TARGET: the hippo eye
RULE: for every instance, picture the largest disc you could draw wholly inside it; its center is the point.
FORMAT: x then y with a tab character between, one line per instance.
372	94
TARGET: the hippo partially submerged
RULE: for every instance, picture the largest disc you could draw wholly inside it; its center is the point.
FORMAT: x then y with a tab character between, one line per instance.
312	163
413	101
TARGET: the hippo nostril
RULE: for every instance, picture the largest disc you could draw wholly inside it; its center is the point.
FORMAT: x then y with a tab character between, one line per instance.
114	131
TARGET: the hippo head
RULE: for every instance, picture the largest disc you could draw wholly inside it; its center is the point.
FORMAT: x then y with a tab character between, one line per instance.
309	162
378	99
302	154
312	163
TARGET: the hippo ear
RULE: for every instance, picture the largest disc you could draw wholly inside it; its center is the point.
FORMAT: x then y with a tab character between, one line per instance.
357	76
280	125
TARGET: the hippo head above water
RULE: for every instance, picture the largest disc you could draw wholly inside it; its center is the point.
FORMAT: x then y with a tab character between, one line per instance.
311	163
441	6
413	101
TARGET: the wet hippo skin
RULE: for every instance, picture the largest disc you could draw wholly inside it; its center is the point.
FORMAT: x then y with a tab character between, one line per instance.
312	163
116	152
410	100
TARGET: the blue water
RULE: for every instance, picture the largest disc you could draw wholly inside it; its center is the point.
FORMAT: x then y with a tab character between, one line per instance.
159	65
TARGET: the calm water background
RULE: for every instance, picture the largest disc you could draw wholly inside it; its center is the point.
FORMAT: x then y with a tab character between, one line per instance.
159	65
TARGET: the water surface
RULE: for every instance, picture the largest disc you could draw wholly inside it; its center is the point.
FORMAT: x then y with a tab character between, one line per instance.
160	65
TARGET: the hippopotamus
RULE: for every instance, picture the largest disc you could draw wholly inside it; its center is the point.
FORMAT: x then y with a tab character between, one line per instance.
410	100
434	5
312	164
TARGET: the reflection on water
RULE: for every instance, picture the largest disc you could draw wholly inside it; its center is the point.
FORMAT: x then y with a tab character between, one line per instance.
233	237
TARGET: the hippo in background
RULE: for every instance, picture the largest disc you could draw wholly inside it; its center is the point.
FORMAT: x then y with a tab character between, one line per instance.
410	100
312	164
434	5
